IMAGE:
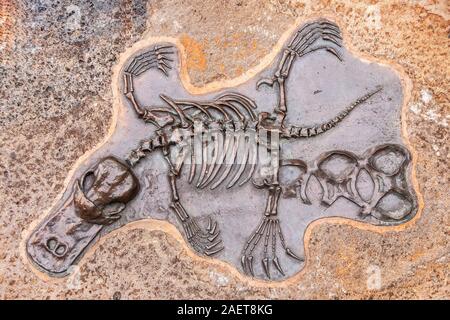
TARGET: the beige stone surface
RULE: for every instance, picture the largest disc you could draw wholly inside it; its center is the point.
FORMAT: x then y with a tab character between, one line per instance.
56	104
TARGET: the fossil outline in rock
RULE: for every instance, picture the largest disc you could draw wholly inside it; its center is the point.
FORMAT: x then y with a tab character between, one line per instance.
228	140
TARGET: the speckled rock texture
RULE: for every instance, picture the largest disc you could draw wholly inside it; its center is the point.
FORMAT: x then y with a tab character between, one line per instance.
56	104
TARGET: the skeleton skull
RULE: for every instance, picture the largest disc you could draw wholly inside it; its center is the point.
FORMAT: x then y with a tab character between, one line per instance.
103	191
96	200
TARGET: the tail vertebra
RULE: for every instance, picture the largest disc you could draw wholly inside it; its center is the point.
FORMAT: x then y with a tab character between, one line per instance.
298	132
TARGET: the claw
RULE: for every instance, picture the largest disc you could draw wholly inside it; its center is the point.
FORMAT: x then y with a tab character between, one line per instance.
163	57
213	237
162	62
250	265
191	231
265	263
160	67
187	231
293	255
209	223
244	263
213	228
331	39
269	228
213	245
210	253
163	54
200	239
277	265
335	53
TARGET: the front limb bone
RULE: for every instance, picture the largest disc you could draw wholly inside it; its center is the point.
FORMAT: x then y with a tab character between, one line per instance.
279	78
203	241
151	116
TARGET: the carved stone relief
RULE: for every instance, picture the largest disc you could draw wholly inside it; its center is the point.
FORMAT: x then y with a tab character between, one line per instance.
241	172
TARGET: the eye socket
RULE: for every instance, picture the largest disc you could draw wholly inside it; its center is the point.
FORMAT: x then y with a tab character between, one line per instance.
60	250
87	181
51	244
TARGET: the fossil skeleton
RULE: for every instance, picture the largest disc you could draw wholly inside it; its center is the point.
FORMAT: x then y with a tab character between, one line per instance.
229	140
225	139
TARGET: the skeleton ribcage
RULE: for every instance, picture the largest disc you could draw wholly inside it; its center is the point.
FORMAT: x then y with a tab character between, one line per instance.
220	145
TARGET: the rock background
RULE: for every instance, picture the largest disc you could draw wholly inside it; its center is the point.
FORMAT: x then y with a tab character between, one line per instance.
55	92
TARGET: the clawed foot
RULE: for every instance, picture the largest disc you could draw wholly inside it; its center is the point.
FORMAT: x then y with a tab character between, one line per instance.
204	241
269	230
157	57
306	39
